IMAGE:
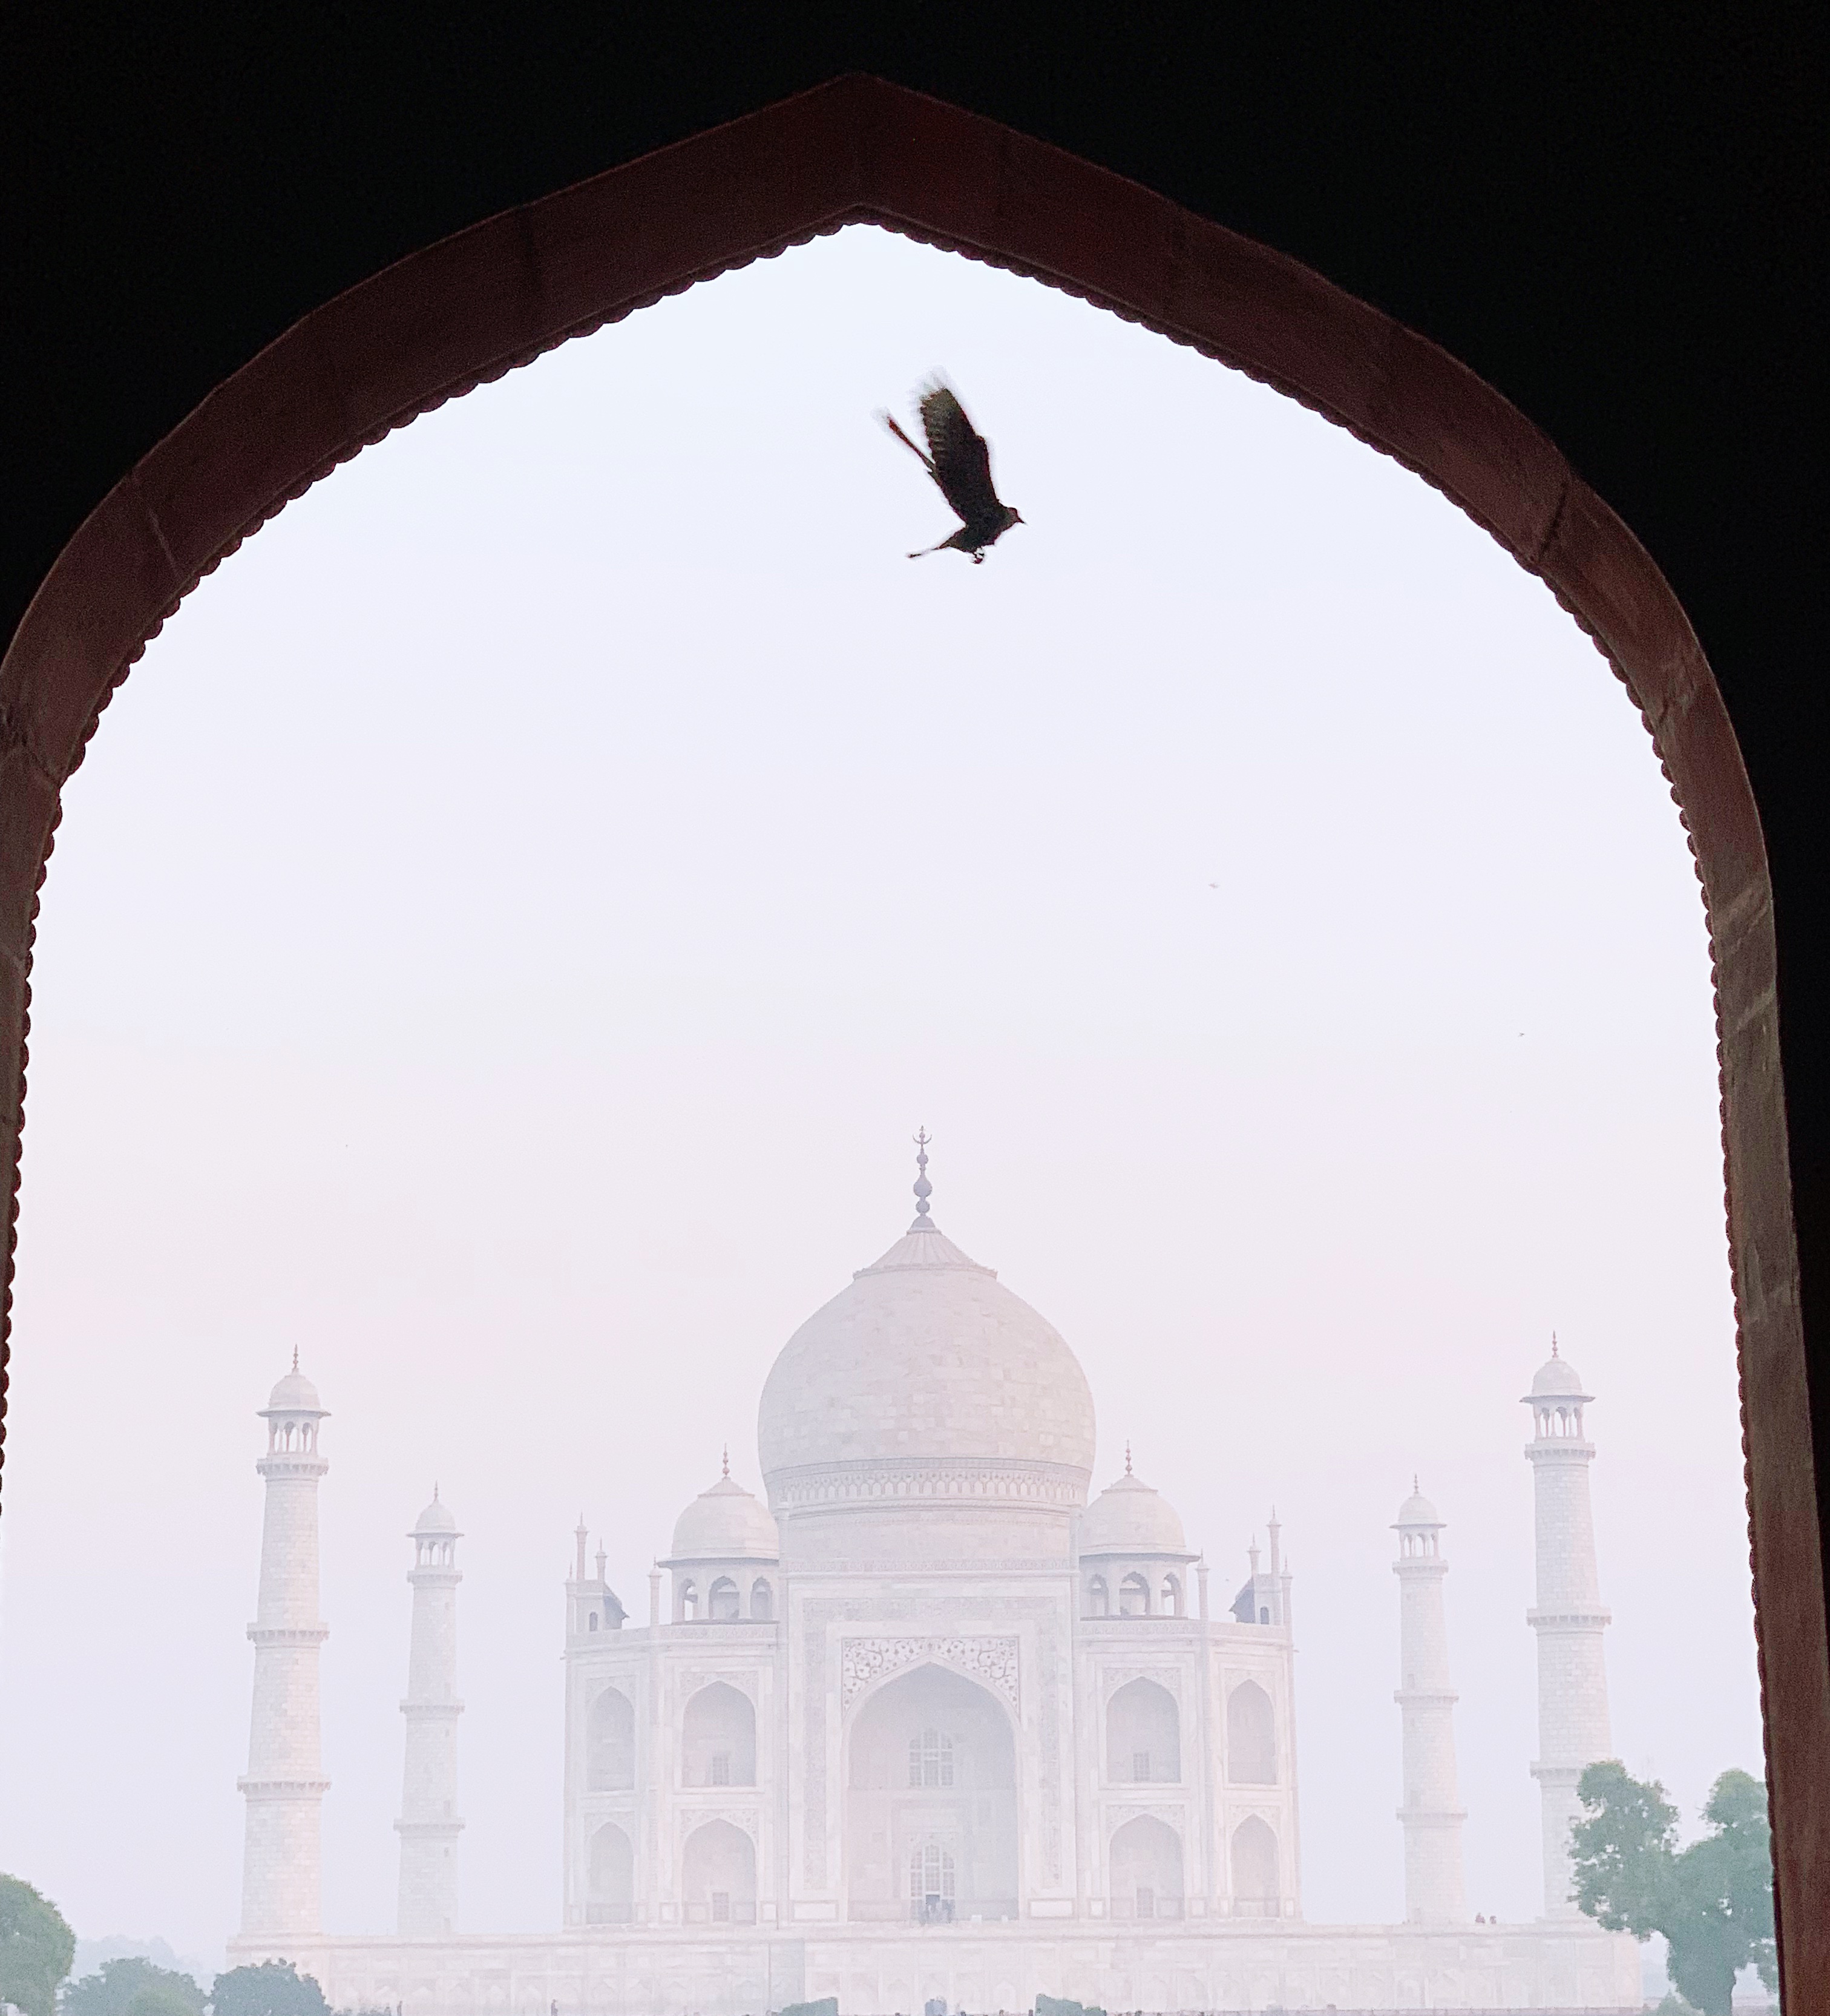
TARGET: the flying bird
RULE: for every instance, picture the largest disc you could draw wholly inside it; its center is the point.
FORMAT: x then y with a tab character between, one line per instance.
959	460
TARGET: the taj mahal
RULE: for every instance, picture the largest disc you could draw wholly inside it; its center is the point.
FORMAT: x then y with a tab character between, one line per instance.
927	1727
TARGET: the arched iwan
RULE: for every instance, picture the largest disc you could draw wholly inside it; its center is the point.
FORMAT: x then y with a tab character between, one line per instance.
857	150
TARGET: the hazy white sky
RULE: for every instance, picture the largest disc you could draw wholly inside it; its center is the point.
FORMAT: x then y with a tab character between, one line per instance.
507	930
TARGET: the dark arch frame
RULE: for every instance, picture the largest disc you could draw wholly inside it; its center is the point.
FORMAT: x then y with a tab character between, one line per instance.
465	310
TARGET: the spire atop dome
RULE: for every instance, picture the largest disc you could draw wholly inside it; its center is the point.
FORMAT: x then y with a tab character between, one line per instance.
1127	1455
923	1189
726	1458
295	1358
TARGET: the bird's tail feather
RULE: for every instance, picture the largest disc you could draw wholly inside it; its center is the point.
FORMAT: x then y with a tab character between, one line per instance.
921	552
889	421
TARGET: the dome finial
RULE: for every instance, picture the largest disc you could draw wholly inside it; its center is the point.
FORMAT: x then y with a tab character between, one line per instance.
726	1458
1416	1488
1553	1344
295	1358
1127	1455
923	1189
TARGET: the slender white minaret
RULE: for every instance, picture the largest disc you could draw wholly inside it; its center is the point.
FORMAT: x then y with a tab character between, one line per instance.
429	1826
285	1785
1434	1890
1569	1618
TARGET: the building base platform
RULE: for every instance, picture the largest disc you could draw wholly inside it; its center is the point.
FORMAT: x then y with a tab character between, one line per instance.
1573	1970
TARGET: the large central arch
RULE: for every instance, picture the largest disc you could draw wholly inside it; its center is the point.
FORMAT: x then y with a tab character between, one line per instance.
474	306
930	1802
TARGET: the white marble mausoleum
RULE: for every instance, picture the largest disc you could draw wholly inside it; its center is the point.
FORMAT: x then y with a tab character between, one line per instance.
929	1720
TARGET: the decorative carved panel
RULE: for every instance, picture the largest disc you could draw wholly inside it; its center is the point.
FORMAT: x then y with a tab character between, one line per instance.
993	1662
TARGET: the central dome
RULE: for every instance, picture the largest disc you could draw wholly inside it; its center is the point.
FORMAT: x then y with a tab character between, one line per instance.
926	1356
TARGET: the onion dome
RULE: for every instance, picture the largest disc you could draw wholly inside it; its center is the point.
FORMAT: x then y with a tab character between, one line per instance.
1557	1379
726	1523
1129	1517
926	1357
924	1414
436	1519
294	1394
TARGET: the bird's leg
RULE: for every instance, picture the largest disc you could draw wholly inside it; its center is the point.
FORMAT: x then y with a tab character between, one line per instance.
978	557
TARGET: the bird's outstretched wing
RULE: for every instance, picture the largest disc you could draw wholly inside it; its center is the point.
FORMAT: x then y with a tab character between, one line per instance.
959	460
919	453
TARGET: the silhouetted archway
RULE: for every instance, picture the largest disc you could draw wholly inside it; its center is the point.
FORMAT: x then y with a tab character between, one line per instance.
466	309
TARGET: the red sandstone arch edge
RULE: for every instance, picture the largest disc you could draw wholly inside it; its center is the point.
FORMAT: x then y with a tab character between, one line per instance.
467	309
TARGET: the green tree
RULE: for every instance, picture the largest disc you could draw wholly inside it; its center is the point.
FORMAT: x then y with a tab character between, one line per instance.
36	1948
1713	1900
274	1988
165	1998
133	1987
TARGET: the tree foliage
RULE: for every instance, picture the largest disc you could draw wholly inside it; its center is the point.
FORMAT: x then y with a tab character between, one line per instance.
164	1998
132	1987
1713	1900
274	1988
36	1948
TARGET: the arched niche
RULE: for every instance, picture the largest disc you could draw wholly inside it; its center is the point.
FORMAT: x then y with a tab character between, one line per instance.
931	1761
1251	1736
609	1742
612	1872
1254	1861
717	1737
723	1604
762	1600
1143	1735
717	1876
1145	1864
1134	1595
462	312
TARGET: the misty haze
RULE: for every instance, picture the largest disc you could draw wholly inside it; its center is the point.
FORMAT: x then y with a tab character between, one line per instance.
500	950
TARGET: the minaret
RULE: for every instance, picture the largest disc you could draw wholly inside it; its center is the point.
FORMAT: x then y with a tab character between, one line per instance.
285	1785
1435	1892
429	1826
1569	1618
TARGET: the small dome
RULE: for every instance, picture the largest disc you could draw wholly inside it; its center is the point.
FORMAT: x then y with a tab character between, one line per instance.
1129	1517
436	1518
1557	1378
1417	1510
294	1394
726	1523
